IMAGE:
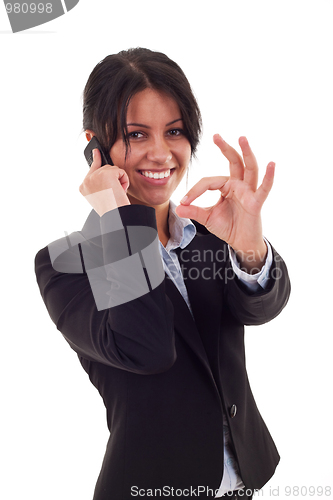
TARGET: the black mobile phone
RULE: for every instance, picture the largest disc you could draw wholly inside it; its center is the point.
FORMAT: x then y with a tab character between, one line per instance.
95	144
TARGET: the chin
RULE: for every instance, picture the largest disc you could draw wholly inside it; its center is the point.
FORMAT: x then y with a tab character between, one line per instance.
151	201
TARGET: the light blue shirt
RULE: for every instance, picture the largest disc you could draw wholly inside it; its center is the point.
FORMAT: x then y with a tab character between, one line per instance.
182	232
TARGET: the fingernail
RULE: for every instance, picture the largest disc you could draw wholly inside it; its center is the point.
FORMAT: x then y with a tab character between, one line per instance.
184	199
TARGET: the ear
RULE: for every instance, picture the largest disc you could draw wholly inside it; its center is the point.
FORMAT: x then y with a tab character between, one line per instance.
89	135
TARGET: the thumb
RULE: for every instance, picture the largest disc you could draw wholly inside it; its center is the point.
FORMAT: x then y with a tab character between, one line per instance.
97	160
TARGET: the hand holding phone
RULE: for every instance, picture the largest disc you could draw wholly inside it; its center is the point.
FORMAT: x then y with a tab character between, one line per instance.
88	152
105	185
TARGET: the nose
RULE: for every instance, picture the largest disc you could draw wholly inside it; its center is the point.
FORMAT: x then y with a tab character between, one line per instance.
159	152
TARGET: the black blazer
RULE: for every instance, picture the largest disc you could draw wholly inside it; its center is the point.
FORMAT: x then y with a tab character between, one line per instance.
165	377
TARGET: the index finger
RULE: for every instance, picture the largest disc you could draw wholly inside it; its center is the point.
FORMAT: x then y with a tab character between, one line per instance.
97	160
205	184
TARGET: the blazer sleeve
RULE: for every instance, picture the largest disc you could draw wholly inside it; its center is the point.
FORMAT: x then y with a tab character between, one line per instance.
137	335
262	306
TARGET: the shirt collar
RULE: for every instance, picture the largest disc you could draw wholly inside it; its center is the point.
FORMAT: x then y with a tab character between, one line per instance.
182	230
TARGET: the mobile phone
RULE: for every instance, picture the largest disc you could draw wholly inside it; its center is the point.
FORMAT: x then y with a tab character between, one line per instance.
95	144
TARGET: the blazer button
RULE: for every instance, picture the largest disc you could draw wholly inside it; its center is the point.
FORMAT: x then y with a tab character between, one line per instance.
233	411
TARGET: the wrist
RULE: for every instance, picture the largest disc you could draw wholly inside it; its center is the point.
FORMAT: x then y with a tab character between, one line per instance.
105	200
252	260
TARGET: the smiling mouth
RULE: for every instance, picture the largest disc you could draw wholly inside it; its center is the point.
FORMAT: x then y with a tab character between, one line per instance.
156	175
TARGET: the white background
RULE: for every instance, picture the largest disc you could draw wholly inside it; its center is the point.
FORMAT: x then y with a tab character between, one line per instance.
258	68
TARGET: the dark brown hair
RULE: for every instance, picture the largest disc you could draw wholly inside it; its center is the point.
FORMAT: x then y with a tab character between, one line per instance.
118	77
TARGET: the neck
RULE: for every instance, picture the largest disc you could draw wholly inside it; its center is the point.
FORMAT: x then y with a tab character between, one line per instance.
162	215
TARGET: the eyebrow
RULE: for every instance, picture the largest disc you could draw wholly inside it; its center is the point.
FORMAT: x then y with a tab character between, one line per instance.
147	126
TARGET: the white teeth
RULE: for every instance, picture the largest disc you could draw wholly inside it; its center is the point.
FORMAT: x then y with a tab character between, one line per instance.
155	175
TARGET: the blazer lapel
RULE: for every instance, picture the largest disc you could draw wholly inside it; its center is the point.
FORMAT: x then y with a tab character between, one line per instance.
185	325
203	277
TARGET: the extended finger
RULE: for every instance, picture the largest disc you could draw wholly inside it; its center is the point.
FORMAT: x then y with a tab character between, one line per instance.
205	184
235	160
266	185
251	166
97	160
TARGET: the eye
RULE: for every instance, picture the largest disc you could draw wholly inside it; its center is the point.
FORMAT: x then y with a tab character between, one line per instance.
175	132
135	135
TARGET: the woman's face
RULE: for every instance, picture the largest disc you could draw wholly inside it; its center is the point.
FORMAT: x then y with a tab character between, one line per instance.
158	148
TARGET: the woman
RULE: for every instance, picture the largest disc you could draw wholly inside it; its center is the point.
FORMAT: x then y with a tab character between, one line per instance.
169	359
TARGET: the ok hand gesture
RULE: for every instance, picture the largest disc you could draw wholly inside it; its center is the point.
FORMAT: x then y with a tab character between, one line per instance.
235	218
